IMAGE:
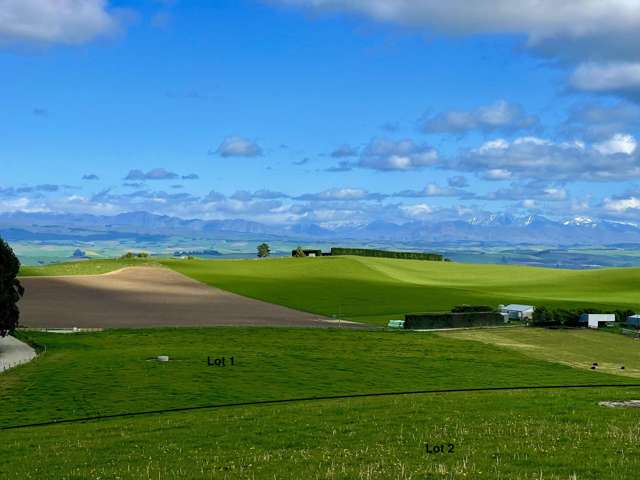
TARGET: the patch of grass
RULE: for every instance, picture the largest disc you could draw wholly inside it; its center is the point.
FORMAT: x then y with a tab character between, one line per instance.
110	372
379	289
84	267
578	348
554	435
551	434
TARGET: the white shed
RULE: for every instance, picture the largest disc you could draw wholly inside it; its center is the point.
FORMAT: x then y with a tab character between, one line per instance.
593	320
518	312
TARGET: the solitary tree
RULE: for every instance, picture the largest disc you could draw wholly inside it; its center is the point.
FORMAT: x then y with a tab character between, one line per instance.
10	289
263	250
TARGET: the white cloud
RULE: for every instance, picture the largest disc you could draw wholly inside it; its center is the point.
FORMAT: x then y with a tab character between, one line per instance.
418	211
54	21
602	77
539	19
555	193
622	205
382	154
491	145
235	146
497	174
603	31
542	159
499	116
618	143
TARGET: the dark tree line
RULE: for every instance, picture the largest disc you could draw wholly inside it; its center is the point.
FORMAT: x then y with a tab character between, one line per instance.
10	289
548	317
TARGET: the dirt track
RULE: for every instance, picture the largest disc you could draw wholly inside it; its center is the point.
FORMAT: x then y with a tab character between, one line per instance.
147	297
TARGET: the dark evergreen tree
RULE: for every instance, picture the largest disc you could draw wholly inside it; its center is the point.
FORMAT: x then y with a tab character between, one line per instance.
10	289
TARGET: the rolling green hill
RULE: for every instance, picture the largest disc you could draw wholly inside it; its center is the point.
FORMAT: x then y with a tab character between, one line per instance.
379	289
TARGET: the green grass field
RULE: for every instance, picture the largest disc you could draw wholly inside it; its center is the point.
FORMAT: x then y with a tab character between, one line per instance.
84	267
576	348
534	434
377	289
527	434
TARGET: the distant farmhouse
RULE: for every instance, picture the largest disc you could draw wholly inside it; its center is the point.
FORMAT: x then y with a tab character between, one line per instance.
593	320
310	252
516	311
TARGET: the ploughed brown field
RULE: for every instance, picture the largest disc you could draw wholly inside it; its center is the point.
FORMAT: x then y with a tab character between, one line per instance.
148	297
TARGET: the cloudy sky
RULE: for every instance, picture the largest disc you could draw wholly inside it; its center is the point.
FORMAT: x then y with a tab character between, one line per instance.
327	111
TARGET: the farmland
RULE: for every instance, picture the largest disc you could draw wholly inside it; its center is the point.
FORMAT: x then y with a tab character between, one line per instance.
375	290
578	348
515	434
378	289
109	372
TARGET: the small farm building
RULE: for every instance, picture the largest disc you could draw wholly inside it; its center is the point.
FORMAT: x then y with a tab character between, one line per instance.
634	320
593	320
308	253
518	312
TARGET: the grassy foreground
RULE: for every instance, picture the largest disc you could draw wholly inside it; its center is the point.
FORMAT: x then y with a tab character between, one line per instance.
379	289
526	434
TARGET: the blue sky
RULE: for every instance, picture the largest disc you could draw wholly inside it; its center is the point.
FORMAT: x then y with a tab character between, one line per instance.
326	111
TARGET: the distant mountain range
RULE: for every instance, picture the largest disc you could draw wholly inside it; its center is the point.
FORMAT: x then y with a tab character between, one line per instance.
494	229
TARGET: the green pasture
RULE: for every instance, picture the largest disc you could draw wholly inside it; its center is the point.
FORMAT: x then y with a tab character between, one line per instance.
110	372
578	348
510	435
84	267
378	289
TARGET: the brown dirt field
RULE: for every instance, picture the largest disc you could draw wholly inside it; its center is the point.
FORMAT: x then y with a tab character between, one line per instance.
148	297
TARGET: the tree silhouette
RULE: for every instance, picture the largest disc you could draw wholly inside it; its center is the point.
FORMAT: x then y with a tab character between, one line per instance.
263	250
10	289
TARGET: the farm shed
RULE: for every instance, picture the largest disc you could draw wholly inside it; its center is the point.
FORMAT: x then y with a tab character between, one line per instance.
308	253
593	320
516	311
634	320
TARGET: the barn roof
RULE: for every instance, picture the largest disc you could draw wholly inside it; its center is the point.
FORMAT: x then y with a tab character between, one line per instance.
516	307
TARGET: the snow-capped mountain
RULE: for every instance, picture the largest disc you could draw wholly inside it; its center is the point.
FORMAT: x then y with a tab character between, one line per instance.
501	228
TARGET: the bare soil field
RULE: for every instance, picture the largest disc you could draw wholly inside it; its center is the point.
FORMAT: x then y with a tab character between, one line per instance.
148	297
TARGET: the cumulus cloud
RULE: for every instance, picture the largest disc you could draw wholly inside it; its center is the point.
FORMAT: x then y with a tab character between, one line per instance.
603	31
341	194
496	174
606	77
153	174
235	146
419	211
529	191
55	21
537	158
344	150
258	194
191	176
457	181
388	155
90	176
500	116
598	121
433	190
622	205
618	143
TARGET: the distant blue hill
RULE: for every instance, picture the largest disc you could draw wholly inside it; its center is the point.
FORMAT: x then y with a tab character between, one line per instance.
501	229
